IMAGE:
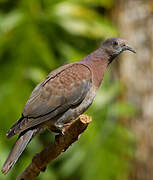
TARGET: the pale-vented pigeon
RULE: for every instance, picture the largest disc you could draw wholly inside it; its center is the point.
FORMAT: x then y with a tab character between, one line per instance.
62	96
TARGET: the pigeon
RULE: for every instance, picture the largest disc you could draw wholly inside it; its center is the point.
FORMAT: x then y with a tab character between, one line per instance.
63	96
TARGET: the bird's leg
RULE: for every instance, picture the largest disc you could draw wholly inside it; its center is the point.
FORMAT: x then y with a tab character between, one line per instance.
67	124
60	128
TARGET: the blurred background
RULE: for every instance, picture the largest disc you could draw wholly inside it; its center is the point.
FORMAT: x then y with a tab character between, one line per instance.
37	36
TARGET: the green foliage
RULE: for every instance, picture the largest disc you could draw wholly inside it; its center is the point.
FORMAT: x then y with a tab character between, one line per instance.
37	36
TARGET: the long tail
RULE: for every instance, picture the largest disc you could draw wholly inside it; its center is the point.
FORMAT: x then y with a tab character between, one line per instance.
22	141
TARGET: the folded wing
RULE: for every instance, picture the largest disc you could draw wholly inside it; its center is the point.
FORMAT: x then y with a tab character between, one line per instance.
62	89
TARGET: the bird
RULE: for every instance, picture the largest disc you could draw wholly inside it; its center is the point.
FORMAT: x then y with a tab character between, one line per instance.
63	96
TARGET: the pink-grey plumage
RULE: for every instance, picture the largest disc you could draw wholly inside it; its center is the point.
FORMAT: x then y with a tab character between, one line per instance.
62	96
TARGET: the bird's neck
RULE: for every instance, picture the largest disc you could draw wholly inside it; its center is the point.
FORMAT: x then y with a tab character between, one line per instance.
97	62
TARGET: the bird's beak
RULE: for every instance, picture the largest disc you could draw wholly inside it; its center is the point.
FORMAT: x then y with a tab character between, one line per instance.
127	47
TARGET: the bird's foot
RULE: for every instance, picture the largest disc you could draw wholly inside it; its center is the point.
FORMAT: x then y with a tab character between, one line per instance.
66	126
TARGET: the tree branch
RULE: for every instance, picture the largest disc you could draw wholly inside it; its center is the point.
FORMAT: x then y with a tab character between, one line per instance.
61	143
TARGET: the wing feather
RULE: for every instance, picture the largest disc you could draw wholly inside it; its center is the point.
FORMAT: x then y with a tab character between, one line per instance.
63	88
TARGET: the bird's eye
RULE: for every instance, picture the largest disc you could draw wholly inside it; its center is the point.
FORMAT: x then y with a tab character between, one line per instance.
115	43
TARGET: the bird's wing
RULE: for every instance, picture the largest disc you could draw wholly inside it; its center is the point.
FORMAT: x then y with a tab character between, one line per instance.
57	93
68	87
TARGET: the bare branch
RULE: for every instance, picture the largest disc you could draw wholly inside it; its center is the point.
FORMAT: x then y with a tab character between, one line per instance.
61	143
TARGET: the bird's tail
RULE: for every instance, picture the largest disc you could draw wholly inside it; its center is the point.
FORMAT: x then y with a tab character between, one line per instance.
22	141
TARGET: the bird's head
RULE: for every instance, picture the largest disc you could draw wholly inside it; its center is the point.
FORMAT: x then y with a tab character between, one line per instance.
114	46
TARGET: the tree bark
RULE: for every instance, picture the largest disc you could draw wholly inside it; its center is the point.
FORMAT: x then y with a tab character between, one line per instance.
135	21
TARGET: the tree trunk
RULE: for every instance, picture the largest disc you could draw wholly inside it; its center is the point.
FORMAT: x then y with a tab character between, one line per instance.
135	21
